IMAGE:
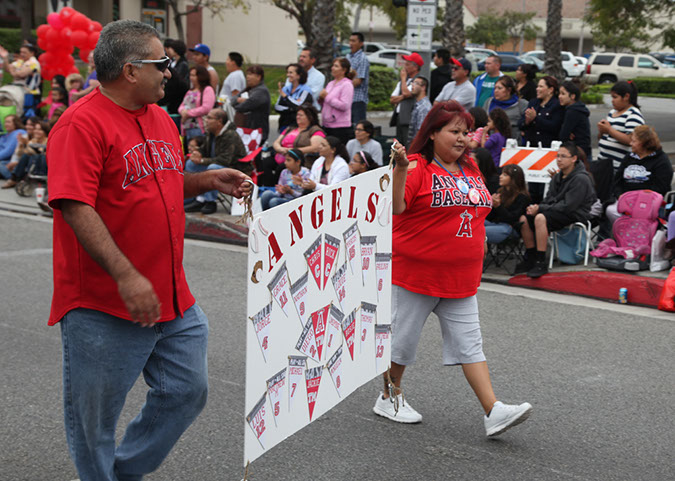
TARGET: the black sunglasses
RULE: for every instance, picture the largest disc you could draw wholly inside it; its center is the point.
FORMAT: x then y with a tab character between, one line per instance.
162	64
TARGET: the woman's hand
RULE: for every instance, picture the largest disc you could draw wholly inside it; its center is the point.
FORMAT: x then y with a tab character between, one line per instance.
604	126
532	209
323	94
496	200
400	157
530	115
184	116
281	90
308	184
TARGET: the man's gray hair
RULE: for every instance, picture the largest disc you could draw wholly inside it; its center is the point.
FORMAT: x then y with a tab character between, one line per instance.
119	43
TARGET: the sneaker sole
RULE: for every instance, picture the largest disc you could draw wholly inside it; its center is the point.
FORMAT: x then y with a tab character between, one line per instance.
520	419
384	414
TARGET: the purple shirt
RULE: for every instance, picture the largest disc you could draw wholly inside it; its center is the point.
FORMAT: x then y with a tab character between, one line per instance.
495	143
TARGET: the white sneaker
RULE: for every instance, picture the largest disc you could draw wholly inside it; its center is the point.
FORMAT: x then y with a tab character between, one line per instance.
406	414
505	416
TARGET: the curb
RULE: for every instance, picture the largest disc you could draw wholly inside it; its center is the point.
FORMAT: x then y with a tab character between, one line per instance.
223	231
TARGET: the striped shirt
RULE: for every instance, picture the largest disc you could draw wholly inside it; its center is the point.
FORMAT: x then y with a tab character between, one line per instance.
609	147
361	65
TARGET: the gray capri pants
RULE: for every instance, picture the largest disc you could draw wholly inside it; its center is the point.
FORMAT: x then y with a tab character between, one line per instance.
462	340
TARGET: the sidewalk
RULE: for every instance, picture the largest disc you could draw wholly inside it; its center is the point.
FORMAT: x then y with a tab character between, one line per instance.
643	287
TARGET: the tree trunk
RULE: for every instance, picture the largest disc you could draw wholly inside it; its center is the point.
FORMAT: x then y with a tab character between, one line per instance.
178	22
453	27
26	15
323	22
357	17
553	41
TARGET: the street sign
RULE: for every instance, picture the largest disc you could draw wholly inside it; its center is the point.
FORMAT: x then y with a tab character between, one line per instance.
421	14
419	38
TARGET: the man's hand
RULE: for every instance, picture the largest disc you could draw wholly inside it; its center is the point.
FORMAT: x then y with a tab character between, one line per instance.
403	74
396	99
139	298
196	157
232	182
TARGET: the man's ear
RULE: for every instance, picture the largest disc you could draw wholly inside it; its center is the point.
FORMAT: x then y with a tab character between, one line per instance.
129	73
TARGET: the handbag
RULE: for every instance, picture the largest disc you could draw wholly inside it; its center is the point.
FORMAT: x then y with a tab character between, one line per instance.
570	244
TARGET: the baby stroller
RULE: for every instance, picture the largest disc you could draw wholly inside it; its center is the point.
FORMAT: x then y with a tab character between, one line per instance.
11	102
631	245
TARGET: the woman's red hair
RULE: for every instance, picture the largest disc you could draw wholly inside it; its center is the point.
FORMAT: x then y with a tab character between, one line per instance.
440	115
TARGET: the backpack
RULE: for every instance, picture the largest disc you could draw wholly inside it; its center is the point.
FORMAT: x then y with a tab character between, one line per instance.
633	232
570	244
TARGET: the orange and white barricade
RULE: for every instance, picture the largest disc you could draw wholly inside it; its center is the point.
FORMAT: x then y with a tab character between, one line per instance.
535	161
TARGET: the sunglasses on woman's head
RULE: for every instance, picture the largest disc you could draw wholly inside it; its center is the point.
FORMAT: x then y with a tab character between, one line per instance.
162	64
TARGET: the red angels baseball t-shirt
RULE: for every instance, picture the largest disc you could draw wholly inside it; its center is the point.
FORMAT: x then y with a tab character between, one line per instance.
127	165
438	240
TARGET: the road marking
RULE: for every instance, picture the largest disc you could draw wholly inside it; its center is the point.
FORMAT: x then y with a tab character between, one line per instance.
25	252
577	301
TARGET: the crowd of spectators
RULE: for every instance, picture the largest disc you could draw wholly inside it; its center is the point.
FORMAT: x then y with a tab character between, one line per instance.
324	137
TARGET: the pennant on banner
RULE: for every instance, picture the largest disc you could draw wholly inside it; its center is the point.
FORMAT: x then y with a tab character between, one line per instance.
280	287
339	283
334	334
349	330
334	366
367	321
313	378
307	342
313	257
256	419
330	254
296	372
353	247
382	344
261	324
275	385
319	319
383	269
367	255
299	292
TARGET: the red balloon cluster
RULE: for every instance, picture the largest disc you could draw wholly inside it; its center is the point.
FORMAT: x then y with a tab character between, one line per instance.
58	38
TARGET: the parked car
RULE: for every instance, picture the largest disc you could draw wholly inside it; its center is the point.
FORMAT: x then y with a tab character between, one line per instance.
386	57
570	64
534	61
609	67
486	51
372	47
669	61
510	63
583	61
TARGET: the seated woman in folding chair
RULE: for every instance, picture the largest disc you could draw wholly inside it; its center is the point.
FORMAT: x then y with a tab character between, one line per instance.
570	197
508	205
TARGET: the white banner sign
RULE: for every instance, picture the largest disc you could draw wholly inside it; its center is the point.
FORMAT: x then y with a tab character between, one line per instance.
319	283
535	162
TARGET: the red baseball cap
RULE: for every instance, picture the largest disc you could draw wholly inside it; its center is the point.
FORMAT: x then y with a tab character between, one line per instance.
414	58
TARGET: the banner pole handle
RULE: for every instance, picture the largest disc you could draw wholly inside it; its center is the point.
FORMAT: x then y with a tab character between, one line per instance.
246	471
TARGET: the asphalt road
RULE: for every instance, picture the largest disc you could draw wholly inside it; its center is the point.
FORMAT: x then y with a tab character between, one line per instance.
600	378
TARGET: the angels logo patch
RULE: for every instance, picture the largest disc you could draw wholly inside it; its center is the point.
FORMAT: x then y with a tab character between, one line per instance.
465	227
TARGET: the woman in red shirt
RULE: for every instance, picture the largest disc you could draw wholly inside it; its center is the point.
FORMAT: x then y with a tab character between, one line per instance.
440	205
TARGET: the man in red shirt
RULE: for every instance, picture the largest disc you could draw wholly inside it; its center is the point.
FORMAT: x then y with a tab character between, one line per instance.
117	186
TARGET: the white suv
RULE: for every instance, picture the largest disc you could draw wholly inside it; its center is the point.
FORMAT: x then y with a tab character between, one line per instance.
570	64
611	67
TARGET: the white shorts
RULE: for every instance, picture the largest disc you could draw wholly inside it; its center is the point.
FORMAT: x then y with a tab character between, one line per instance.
462	340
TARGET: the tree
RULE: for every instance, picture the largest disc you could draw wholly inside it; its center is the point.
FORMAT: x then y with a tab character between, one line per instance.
453	27
520	24
216	7
553	40
489	29
621	24
323	20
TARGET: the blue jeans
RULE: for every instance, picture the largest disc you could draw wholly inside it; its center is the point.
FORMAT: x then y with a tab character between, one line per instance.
210	196
498	232
102	358
358	112
4	171
270	198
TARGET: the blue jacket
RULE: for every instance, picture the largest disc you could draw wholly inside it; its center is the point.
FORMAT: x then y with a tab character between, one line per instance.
8	143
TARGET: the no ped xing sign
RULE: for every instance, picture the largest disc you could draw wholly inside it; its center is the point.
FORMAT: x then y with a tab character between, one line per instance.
319	283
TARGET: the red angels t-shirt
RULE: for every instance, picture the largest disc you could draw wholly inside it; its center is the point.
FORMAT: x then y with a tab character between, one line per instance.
127	165
438	240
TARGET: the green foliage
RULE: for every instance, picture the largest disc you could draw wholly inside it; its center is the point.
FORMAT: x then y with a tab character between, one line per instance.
655	85
10	38
517	23
619	25
591	98
489	29
381	83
